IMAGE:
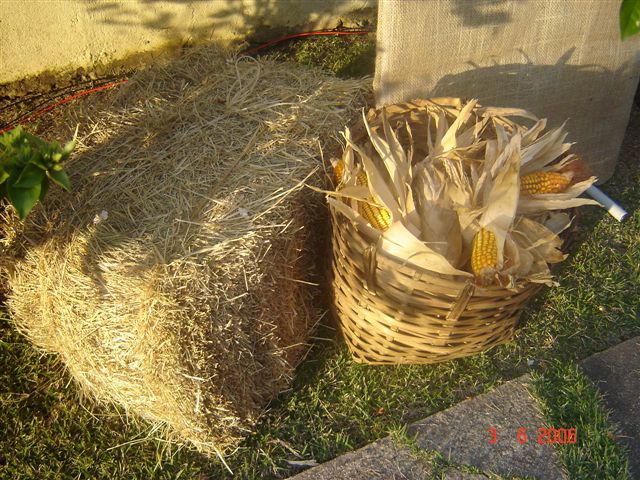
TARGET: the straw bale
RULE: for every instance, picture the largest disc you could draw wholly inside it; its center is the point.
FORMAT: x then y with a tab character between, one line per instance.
176	279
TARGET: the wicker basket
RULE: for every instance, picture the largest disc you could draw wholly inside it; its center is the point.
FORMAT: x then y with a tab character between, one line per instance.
393	313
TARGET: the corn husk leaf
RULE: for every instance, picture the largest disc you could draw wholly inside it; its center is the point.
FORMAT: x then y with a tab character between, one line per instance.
540	241
351	192
399	242
531	204
534	132
501	196
472	134
349	164
544	150
449	140
393	157
506	112
440	227
410	206
518	261
557	222
378	186
363	225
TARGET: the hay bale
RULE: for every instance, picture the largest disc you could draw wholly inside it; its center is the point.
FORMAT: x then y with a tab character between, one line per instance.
173	280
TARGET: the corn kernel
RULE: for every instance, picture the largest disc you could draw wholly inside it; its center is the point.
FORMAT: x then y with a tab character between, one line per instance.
544	182
361	179
484	252
378	217
338	171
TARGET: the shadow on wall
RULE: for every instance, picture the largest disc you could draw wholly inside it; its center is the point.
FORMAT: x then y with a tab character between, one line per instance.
257	19
585	96
476	13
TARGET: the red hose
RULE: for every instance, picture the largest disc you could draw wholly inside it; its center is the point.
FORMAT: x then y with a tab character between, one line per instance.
65	100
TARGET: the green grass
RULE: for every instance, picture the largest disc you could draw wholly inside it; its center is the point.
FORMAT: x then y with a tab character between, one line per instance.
335	405
346	57
570	400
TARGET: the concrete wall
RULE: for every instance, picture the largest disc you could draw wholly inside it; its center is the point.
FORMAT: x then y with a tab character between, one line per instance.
60	35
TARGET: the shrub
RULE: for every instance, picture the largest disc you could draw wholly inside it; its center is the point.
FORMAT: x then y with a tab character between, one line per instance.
27	165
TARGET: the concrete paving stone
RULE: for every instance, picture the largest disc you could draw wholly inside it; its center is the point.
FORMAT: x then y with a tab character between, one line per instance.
616	373
462	433
381	460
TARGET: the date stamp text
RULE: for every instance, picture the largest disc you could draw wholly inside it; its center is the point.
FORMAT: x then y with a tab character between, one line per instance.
563	436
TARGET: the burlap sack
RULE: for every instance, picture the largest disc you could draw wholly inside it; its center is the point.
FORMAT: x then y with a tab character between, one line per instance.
560	59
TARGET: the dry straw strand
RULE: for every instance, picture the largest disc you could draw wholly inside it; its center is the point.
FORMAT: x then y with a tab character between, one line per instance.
189	302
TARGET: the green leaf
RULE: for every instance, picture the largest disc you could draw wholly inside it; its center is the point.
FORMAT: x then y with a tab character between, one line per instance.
30	176
61	178
68	148
44	188
23	199
629	18
28	164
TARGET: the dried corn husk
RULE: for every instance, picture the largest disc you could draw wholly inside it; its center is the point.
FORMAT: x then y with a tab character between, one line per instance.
446	168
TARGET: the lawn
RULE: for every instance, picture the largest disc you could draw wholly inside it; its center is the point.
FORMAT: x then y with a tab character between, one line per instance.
336	405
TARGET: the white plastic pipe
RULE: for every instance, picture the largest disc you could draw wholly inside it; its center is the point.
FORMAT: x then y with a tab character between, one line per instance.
615	210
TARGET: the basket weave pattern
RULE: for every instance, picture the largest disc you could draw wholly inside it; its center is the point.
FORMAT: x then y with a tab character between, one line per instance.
394	313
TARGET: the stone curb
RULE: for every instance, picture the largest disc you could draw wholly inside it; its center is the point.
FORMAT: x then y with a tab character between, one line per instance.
461	434
483	431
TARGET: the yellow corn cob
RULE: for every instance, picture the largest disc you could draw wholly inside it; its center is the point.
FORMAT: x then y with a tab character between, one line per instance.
544	182
378	217
484	252
338	171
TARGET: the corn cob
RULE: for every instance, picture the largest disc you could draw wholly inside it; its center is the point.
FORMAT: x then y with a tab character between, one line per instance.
484	252
378	217
544	182
338	171
361	179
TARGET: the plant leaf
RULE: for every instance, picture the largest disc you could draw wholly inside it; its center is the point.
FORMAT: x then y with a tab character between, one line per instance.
30	176
61	178
23	199
44	188
629	18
